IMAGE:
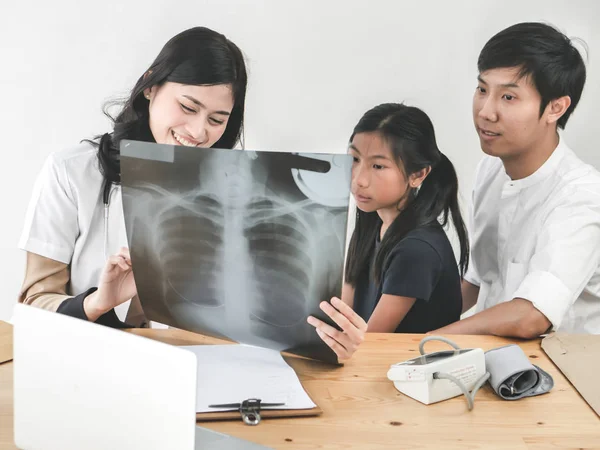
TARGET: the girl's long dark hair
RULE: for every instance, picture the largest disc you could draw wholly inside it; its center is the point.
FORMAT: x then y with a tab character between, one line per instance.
197	56
410	134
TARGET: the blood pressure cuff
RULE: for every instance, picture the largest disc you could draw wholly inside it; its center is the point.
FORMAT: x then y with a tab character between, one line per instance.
512	376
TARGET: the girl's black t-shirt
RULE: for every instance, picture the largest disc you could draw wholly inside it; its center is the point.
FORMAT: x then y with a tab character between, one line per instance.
421	266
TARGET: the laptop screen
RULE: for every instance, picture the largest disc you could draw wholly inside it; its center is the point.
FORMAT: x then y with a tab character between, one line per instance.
237	244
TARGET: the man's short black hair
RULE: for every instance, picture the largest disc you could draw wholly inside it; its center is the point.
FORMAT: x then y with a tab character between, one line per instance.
542	53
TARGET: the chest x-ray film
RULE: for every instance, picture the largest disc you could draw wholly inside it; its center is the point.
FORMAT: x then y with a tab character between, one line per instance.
237	244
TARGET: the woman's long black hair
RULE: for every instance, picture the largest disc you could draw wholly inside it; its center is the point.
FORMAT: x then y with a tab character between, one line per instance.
197	56
410	134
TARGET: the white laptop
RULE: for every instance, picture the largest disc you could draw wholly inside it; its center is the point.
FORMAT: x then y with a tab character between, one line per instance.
79	385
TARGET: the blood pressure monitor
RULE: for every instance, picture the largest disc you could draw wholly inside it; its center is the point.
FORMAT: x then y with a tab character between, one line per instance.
422	378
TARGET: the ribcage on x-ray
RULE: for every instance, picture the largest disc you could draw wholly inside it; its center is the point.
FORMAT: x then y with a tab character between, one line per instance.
253	258
279	249
190	245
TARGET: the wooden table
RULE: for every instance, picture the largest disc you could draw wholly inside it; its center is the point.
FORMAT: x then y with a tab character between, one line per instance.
362	409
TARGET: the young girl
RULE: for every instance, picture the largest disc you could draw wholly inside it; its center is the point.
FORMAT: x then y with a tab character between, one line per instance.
401	273
192	94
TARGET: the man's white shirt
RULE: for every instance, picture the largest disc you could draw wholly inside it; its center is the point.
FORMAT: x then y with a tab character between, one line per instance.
538	238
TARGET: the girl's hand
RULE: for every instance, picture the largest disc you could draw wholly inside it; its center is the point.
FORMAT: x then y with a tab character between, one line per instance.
344	343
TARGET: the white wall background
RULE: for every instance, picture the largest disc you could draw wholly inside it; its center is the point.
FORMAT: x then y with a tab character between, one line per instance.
315	67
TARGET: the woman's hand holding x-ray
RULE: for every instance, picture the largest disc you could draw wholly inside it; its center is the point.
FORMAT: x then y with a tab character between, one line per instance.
345	342
116	286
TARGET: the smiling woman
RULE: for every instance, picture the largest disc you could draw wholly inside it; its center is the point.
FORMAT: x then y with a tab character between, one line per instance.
193	94
178	116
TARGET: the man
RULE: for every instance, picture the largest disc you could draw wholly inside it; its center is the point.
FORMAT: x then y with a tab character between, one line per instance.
535	224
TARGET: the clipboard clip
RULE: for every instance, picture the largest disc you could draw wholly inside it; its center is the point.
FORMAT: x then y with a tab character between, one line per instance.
249	409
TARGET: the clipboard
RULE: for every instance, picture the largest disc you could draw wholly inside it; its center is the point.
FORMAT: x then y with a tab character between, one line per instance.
567	351
6	342
246	410
239	381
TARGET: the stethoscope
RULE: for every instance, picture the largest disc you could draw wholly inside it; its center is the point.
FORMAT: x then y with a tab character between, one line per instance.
106	195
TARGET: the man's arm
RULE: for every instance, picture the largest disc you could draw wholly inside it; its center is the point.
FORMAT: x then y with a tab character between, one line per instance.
470	292
515	318
566	256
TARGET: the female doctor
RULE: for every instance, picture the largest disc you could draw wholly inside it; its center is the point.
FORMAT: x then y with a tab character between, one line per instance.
193	94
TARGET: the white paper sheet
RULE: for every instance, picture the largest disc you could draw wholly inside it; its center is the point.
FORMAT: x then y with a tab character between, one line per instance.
233	373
